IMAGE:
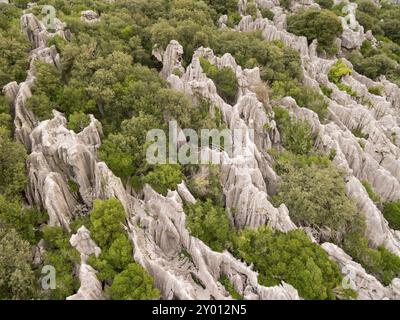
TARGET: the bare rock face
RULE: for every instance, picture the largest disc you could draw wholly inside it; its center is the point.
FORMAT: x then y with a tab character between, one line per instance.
89	16
171	59
184	267
84	244
91	288
367	287
60	157
353	33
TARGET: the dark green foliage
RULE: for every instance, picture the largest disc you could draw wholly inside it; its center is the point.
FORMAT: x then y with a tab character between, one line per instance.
230	288
63	258
224	79
164	177
14	46
297	136
391	211
267	13
133	284
322	25
315	195
376	90
46	92
78	121
371	193
12	165
306	97
382	59
385	266
276	61
26	221
290	257
17	279
326	4
113	259
326	91
209	223
106	219
125	279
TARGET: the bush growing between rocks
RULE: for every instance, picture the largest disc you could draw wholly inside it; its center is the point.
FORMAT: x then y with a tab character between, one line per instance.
289	257
391	211
322	25
224	79
296	135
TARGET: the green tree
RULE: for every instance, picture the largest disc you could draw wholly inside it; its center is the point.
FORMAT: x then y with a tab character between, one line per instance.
164	177
14	49
289	257
322	25
17	279
133	284
107	219
63	257
297	135
209	223
316	196
224	79
78	121
26	221
12	165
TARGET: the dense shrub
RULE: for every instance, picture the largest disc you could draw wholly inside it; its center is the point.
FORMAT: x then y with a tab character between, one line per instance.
63	258
305	96
224	79
12	165
17	279
322	25
326	4
106	218
290	257
209	223
391	211
315	195
164	177
133	283
371	193
124	279
276	61
296	135
78	121
14	46
26	221
385	266
337	72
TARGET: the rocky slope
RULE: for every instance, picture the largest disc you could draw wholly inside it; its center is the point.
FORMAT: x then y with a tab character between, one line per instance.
183	267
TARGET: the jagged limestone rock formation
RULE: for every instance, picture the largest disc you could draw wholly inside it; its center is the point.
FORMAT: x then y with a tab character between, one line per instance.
184	267
91	288
353	33
247	176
